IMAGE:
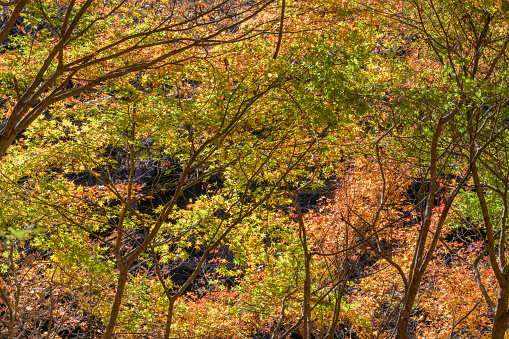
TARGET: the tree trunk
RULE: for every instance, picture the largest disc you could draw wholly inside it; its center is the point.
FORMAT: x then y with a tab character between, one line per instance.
408	304
501	315
115	309
169	319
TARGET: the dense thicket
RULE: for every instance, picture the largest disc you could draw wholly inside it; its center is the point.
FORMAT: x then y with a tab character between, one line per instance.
259	169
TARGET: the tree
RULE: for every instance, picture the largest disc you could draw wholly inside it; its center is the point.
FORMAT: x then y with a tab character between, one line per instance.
463	109
155	139
107	176
63	50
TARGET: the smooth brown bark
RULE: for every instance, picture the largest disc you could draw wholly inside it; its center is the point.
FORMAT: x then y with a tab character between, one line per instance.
20	4
500	311
501	314
306	304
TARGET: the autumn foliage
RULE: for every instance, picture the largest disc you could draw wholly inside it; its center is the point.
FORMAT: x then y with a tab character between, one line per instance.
254	169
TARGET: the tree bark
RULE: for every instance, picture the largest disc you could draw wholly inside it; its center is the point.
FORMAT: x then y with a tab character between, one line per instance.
501	315
408	304
115	309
